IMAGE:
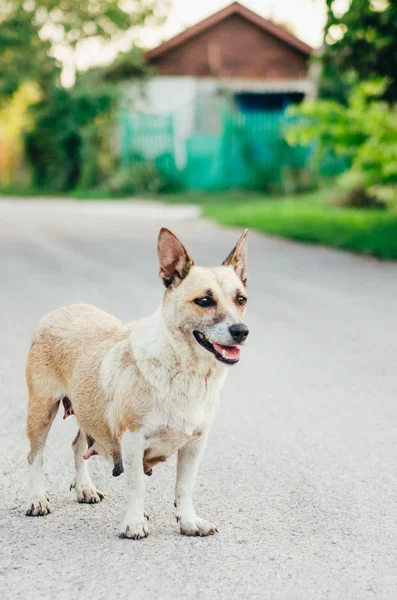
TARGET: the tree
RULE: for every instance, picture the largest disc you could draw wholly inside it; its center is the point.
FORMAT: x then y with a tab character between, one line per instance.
24	55
70	142
72	131
364	131
33	32
360	45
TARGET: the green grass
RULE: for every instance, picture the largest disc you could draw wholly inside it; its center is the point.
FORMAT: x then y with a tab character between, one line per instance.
308	219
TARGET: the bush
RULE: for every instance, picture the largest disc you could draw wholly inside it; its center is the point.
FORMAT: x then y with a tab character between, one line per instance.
355	194
141	177
363	132
67	145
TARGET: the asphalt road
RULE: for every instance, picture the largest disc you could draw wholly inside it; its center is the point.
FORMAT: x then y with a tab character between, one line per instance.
300	473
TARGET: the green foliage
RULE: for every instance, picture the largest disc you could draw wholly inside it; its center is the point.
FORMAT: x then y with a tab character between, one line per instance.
364	132
24	55
352	191
71	141
31	33
360	45
64	146
310	219
68	22
127	66
141	177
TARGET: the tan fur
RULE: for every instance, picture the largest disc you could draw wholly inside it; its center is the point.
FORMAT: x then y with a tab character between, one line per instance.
65	358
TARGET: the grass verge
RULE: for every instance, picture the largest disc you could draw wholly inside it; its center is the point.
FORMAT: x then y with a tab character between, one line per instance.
307	219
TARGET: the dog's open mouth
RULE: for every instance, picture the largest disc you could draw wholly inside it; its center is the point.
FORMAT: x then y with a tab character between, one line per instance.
227	354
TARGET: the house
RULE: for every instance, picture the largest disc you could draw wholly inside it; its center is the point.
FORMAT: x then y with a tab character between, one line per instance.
216	102
260	64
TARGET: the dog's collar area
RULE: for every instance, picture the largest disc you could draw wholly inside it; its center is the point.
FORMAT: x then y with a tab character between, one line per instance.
229	355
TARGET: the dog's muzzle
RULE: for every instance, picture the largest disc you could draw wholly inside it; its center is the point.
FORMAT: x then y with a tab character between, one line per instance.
226	354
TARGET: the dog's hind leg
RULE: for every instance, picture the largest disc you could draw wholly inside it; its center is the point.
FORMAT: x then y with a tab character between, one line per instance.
85	490
41	413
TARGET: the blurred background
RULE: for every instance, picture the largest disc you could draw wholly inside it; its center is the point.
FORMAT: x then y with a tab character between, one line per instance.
276	115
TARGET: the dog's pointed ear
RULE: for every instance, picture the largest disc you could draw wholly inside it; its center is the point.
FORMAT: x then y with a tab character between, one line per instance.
238	258
175	262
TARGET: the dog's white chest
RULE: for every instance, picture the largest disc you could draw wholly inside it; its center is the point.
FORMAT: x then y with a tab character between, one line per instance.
175	421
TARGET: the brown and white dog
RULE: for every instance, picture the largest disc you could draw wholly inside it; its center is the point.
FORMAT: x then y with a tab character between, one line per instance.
150	387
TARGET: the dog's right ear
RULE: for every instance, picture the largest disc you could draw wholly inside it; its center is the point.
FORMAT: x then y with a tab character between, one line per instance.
174	260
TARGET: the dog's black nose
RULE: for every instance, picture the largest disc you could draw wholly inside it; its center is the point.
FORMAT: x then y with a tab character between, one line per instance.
239	332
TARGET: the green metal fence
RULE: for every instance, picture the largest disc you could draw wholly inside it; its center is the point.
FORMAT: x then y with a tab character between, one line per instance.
247	150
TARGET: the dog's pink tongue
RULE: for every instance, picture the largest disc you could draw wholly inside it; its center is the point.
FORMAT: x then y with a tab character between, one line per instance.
228	352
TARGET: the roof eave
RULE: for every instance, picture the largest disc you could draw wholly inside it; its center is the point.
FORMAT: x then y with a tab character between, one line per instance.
235	8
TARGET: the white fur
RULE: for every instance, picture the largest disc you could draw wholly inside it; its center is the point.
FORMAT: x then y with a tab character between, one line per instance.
84	488
38	503
178	412
134	525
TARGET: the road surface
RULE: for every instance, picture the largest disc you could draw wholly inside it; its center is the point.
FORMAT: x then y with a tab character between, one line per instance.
300	472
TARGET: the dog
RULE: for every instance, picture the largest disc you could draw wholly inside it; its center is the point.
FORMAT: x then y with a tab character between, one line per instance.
141	391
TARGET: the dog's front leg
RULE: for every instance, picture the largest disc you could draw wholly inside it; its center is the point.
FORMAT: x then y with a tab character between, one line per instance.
188	463
135	524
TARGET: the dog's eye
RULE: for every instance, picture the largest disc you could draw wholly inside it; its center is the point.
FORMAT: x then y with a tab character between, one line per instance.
205	302
241	300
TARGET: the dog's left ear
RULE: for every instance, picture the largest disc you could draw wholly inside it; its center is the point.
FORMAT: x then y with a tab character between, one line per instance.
175	262
238	258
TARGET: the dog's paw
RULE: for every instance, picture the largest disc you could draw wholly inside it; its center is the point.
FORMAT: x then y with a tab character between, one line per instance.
87	494
135	530
38	506
196	526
